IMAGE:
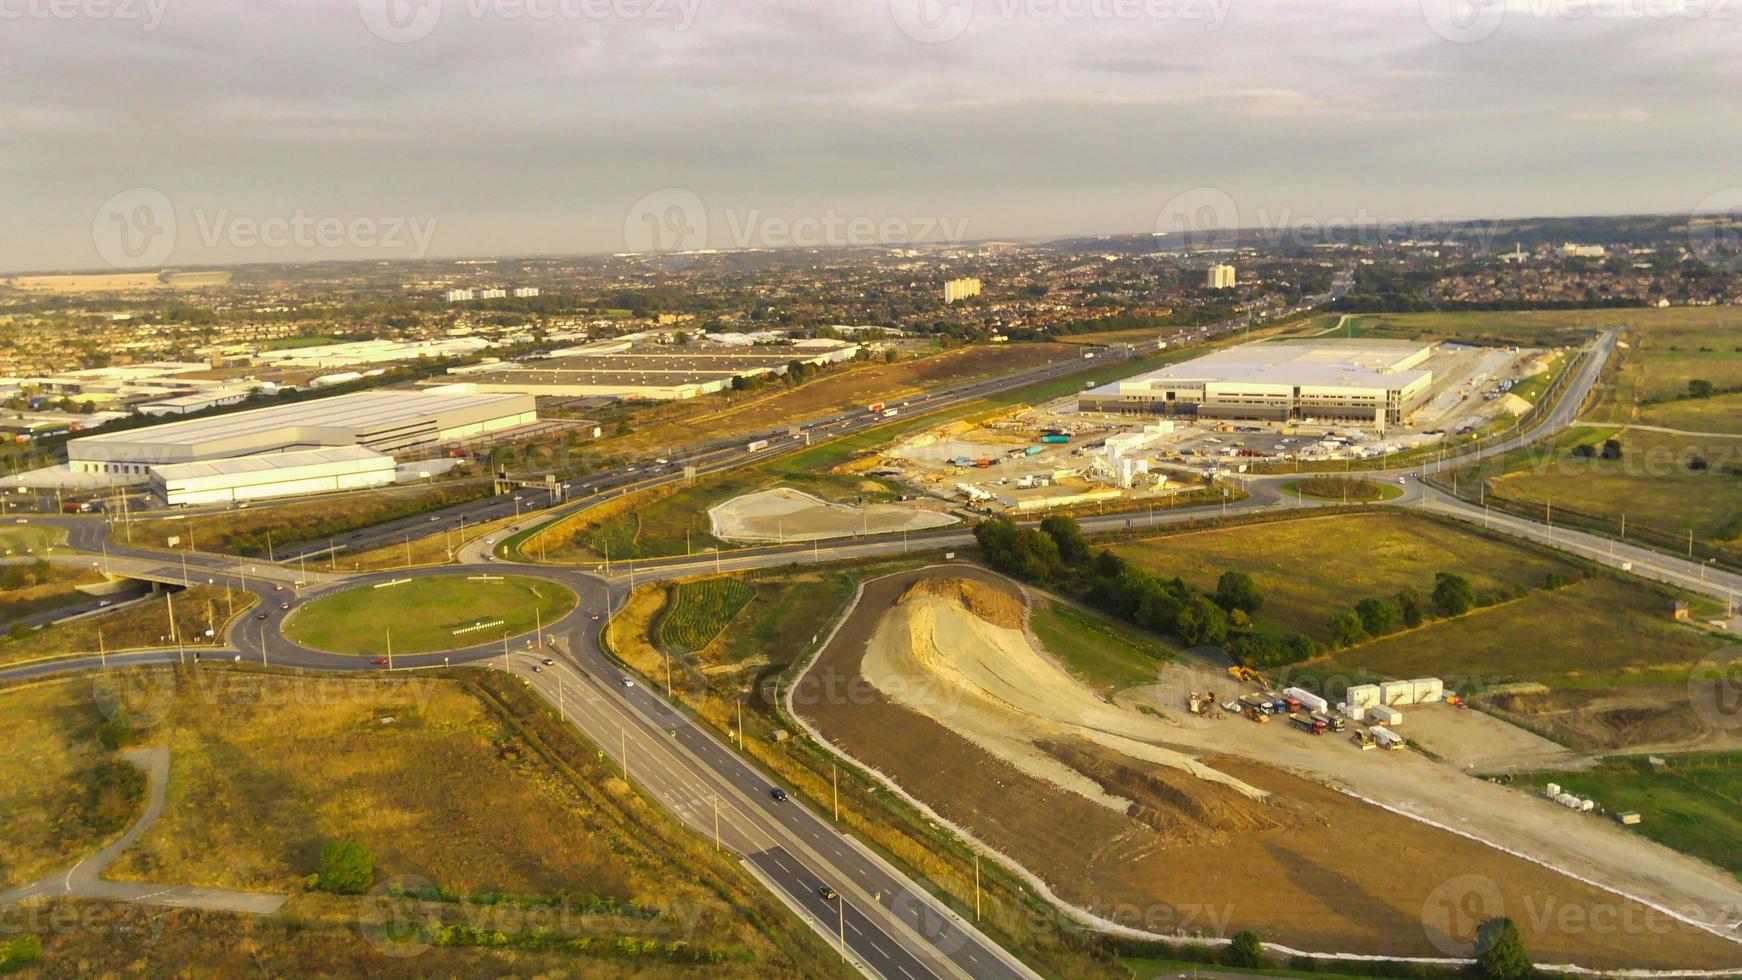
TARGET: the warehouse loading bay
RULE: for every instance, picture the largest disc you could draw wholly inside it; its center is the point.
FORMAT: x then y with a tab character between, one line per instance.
1472	387
1056	456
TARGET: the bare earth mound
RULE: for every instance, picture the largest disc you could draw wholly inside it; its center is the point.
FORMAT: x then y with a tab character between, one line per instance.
1116	809
784	514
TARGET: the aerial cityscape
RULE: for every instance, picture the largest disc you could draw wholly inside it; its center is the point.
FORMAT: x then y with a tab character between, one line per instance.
899	489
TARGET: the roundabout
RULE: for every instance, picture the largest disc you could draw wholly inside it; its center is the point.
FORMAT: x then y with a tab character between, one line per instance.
428	614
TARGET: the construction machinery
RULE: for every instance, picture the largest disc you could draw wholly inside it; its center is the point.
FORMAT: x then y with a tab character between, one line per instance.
1204	705
1258	716
1363	740
1246	674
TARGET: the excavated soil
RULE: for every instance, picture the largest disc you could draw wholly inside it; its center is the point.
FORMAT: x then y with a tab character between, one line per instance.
926	683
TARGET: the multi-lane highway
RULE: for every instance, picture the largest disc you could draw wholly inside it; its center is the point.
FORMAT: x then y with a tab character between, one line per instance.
886	925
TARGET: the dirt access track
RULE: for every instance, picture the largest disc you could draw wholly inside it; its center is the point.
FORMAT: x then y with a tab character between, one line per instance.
1143	821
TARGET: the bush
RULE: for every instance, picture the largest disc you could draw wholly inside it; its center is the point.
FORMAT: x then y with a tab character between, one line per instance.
20	951
1378	616
1503	956
1411	611
1344	629
1236	590
347	868
1453	594
1244	951
1611	449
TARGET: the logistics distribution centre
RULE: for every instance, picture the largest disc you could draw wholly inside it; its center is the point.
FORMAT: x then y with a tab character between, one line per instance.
327	444
1374	383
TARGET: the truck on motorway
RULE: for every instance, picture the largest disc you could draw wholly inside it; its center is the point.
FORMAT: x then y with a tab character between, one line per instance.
756	446
890	413
874	407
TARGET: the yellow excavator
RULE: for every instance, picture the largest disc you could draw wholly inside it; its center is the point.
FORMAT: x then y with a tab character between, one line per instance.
1246	674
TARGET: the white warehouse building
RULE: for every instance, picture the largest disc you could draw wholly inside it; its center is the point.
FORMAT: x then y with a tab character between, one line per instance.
309	471
385	421
1375	382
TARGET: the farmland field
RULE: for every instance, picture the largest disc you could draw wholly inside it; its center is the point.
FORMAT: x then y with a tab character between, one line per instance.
1689	803
700	610
467	792
1665	485
1307	569
1597	630
427	614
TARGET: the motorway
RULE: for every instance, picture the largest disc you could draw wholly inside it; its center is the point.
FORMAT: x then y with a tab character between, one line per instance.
887	926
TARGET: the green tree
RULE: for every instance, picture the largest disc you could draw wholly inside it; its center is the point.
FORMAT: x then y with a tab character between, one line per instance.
1201	622
1068	535
1344	629
40	570
1244	951
1700	388
1503	956
12	578
347	868
1378	616
1411	610
1453	594
1236	590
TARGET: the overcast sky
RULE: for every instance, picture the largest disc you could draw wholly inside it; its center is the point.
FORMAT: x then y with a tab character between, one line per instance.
497	127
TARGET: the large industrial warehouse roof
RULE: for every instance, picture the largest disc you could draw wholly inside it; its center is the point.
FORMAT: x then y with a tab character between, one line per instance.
1318	364
268	461
362	411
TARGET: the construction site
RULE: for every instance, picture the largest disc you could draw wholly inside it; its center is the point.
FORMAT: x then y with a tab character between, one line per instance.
1311	818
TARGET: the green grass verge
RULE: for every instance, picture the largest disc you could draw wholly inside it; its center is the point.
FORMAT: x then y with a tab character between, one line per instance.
1343	490
28	539
1692	803
424	613
1103	654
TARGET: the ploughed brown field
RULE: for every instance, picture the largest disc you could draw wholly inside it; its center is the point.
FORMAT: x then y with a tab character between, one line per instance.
1195	842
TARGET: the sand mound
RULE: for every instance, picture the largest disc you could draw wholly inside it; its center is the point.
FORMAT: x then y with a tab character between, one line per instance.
992	604
988	683
1513	404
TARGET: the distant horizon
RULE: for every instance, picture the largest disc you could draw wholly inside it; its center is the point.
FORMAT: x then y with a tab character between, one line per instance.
1035	240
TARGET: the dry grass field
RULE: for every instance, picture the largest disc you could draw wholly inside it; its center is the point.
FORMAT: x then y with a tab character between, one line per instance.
50	764
1307	569
464	783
